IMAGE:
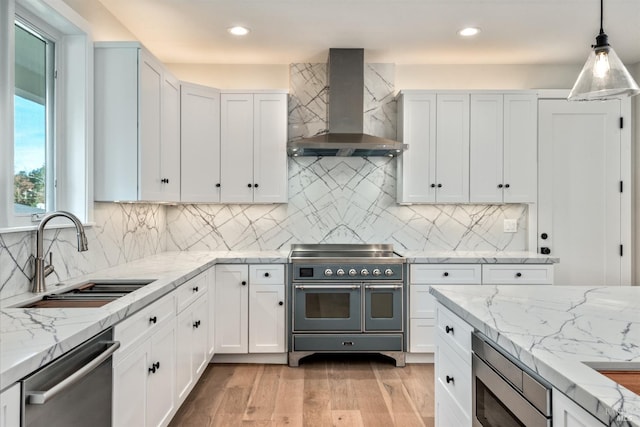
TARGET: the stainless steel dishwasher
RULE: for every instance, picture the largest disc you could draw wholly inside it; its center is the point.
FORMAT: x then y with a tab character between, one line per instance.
73	390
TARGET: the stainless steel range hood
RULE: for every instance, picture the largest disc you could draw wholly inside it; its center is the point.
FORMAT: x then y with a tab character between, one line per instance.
346	110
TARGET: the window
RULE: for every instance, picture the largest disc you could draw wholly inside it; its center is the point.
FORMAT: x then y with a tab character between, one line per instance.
33	150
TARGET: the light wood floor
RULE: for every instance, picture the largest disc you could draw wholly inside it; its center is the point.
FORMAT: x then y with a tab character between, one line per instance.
323	391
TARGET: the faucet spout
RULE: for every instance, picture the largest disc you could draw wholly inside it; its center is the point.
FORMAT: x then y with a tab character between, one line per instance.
42	271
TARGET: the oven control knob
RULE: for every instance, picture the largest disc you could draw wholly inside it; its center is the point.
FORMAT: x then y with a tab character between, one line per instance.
376	272
340	272
352	272
328	272
364	272
388	272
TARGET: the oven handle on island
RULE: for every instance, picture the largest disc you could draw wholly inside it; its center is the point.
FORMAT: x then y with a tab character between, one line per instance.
327	286
383	286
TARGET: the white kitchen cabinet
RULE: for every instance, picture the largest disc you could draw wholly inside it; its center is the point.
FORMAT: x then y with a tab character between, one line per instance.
517	274
211	298
253	137
10	406
191	345
232	308
503	153
200	144
143	380
437	126
250	314
137	128
566	413
144	366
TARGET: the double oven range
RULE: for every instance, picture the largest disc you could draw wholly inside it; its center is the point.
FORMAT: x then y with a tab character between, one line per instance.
347	298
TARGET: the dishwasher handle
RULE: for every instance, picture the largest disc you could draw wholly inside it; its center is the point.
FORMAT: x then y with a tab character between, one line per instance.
41	397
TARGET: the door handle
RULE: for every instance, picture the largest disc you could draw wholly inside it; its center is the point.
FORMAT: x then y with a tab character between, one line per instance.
545	251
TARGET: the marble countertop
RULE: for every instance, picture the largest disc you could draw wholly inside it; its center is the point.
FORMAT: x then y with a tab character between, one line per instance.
31	338
476	257
555	329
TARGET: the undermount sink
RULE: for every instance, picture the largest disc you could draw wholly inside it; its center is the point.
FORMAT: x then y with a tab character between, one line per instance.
94	293
627	374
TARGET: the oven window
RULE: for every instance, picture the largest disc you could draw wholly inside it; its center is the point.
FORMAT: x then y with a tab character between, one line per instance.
327	305
382	305
490	411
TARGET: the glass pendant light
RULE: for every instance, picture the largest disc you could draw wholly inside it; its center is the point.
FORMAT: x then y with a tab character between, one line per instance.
603	76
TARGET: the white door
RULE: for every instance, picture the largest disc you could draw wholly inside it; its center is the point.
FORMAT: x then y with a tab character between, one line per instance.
486	177
200	144
266	323
236	141
232	303
452	149
270	148
579	190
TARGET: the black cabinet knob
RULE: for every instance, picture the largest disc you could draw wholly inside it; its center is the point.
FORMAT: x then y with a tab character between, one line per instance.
518	274
449	379
255	185
218	185
445	274
545	251
244	283
267	274
499	185
196	324
195	289
249	185
154	367
544	236
280	302
153	319
439	185
433	186
507	186
448	329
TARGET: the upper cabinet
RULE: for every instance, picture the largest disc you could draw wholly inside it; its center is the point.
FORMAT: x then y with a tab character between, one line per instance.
200	144
435	168
253	138
503	148
137	125
478	147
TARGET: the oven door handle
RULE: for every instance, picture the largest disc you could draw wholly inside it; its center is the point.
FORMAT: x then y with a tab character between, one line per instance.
372	287
303	287
41	397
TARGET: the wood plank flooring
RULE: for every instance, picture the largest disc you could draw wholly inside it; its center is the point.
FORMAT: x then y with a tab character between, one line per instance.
348	391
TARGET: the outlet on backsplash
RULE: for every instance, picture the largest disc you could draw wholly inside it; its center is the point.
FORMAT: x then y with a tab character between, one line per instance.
510	225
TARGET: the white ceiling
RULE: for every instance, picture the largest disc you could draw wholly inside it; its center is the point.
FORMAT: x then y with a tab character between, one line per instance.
396	31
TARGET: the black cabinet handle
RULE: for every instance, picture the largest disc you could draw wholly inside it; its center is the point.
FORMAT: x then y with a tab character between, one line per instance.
164	180
244	283
249	185
439	185
500	185
445	274
280	302
218	185
267	274
153	319
195	289
255	185
544	236
545	251
518	274
154	367
507	186
449	379
448	329
433	186
196	324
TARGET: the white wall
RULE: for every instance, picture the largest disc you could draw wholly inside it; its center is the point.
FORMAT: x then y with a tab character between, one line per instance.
234	76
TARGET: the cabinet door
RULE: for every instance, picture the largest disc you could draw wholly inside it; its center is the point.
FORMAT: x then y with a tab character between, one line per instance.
486	136
150	119
452	149
269	148
200	144
184	337
232	301
236	148
566	413
199	345
266	320
10	407
130	388
520	148
417	166
161	383
211	297
170	149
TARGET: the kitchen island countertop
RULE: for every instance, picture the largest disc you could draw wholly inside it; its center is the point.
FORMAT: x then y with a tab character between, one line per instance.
554	329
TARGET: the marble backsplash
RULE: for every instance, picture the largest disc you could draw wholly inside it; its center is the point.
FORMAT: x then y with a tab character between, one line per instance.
122	233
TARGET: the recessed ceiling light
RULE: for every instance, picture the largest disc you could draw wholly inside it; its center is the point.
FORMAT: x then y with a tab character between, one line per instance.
469	31
238	31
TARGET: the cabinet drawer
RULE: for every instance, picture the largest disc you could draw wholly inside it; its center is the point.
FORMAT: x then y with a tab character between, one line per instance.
144	322
347	342
448	410
422	335
191	290
422	305
453	373
517	274
454	331
446	274
266	274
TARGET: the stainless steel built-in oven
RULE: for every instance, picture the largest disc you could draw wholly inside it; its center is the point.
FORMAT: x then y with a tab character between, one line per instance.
347	298
506	393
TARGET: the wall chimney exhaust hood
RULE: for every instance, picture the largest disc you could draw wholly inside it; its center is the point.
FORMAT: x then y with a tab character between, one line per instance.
346	110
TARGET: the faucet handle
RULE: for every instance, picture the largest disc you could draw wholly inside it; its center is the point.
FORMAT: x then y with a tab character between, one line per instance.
49	268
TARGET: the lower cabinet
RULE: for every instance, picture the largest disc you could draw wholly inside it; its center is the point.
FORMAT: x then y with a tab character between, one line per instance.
143	380
10	406
191	346
250	309
566	413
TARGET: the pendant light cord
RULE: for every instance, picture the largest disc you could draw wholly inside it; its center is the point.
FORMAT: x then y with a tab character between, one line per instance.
601	16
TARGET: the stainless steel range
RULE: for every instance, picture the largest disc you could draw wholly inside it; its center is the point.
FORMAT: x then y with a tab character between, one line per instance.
347	298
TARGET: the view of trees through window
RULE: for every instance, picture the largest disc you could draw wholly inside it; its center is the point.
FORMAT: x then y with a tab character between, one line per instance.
30	123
